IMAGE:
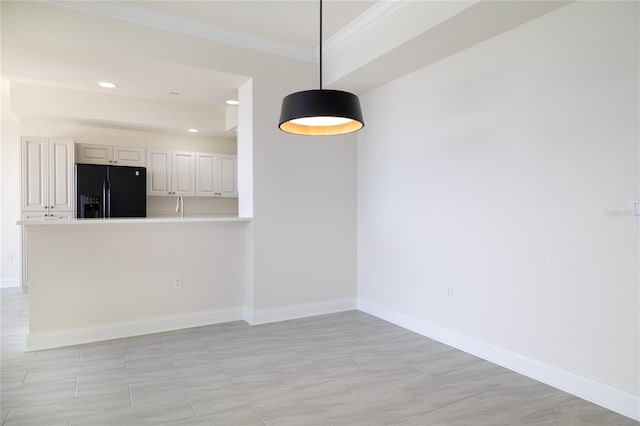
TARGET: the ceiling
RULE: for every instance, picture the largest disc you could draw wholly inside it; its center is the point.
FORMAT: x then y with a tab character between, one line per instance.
384	36
285	27
79	68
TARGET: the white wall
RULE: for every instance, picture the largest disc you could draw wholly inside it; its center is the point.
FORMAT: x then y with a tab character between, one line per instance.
304	211
508	171
9	195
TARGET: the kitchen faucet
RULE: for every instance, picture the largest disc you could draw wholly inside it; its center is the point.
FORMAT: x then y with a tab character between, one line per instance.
180	206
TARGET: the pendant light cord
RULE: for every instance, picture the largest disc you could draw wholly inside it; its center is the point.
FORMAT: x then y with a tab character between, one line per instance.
320	44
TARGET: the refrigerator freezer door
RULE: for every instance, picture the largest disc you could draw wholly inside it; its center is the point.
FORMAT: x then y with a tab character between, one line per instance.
128	189
90	190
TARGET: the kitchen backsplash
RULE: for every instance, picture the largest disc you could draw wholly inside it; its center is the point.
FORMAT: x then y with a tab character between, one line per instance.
166	206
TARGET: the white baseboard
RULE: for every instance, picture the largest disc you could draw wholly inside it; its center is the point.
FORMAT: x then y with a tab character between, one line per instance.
117	330
263	316
10	282
614	399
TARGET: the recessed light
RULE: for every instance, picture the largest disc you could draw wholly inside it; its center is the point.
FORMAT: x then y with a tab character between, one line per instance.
232	102
192	130
107	84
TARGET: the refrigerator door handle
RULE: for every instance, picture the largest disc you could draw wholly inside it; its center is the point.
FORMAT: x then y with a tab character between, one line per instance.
108	199
104	198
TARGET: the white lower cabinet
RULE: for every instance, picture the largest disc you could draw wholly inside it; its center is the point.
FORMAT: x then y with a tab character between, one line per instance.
49	216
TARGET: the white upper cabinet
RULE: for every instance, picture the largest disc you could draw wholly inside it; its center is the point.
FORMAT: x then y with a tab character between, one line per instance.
34	182
228	176
171	173
183	173
191	174
47	175
94	154
61	175
207	175
110	155
216	175
159	173
128	156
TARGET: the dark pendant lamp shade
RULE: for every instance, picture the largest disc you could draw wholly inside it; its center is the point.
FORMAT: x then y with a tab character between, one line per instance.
321	112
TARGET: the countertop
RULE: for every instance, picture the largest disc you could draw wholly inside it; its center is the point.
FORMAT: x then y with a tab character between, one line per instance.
135	220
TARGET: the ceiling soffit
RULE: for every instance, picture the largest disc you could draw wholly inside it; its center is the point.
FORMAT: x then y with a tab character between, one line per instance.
157	18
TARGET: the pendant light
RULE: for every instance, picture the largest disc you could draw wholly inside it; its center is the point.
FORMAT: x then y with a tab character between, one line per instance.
321	112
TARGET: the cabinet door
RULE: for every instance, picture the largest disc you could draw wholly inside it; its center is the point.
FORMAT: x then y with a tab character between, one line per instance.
94	154
229	184
34	174
207	175
183	173
124	156
158	173
61	181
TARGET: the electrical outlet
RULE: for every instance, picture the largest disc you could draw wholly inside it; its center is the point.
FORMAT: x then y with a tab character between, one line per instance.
177	282
450	293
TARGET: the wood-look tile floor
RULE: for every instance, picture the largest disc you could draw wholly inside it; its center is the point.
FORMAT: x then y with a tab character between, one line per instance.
342	369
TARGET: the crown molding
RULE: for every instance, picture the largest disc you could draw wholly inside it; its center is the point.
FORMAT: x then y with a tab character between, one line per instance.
165	21
371	17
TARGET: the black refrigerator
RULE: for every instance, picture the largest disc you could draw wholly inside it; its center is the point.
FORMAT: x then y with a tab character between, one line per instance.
110	191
